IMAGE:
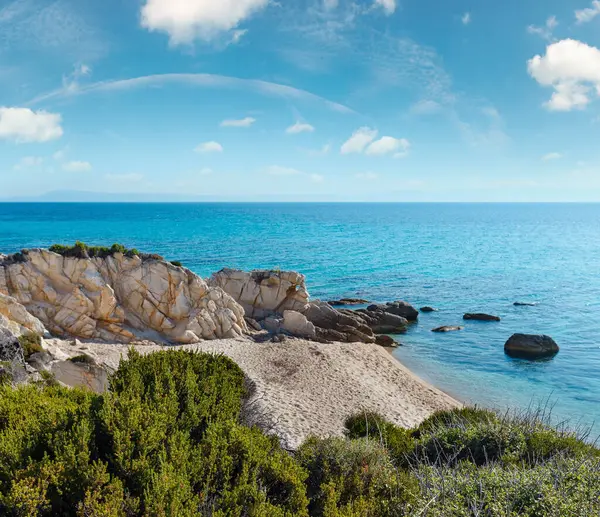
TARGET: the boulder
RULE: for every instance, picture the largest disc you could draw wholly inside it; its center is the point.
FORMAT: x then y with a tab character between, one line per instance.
447	328
347	301
380	321
528	346
427	309
80	375
399	308
10	348
116	298
480	317
386	341
333	325
253	324
297	325
263	293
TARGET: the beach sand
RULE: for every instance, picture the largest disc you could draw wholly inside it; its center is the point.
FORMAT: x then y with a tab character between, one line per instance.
305	388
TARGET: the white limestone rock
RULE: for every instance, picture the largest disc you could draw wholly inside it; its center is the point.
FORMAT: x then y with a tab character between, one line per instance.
117	298
263	293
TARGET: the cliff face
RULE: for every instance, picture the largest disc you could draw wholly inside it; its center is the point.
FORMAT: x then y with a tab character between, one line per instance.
115	298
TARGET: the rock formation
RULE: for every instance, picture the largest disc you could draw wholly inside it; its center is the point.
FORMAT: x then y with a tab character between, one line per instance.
447	328
347	301
113	298
427	309
480	317
527	346
398	308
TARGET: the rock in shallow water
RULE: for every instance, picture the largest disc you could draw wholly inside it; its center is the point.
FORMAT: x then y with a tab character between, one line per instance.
447	328
347	301
525	304
480	317
527	346
427	309
399	308
386	341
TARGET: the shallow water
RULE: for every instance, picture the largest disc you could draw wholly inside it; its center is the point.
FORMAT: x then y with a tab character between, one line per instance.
456	257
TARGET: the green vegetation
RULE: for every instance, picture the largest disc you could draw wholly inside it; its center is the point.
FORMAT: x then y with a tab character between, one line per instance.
83	359
169	439
31	344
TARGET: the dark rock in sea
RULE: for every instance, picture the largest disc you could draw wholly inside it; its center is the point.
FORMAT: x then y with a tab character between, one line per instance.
386	341
480	317
380	321
525	304
427	309
447	328
526	346
347	301
398	308
10	348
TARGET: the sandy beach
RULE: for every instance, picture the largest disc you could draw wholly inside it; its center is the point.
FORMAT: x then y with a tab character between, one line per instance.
305	388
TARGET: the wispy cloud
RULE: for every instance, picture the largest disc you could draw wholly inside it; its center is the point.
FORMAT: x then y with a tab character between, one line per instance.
363	140
28	162
132	177
77	166
244	122
551	156
299	127
588	14
209	147
466	19
199	80
546	32
277	170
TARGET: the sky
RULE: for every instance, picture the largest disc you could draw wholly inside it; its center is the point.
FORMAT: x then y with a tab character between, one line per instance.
304	100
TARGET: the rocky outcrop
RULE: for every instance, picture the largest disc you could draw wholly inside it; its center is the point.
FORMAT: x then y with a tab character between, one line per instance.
480	317
399	308
115	298
347	301
386	341
447	328
380	321
333	325
15	318
10	348
298	325
527	346
263	293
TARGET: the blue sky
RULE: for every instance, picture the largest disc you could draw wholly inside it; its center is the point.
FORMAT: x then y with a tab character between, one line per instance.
371	100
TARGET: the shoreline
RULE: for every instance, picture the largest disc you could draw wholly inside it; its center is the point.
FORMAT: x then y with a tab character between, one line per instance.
304	388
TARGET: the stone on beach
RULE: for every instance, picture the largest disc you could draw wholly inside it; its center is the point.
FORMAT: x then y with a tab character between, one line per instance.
527	346
447	328
480	317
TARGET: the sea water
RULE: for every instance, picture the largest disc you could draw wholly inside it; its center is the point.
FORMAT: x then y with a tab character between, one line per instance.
456	257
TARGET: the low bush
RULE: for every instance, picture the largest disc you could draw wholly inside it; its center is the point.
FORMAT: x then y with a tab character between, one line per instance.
83	251
354	478
31	344
459	417
83	359
398	441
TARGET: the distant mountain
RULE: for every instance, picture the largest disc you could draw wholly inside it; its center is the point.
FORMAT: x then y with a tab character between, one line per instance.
77	196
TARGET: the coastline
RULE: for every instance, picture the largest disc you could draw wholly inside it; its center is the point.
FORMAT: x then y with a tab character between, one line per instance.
303	388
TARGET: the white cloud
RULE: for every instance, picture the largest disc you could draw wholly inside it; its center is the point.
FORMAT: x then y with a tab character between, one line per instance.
388	145
28	162
206	171
71	81
299	127
545	31
389	6
187	20
552	156
425	107
124	178
276	170
572	68
77	166
320	152
370	176
317	178
244	122
359	140
236	36
209	147
466	18
588	14
24	125
60	154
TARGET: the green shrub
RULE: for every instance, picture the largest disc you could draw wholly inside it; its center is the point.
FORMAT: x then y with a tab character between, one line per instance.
176	263
354	478
83	251
31	344
398	441
83	359
459	417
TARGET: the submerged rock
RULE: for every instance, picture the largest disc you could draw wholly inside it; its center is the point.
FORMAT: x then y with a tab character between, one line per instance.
427	309
480	317
447	328
527	346
525	304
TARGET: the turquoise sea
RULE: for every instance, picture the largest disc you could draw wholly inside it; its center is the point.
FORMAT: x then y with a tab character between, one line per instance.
456	257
